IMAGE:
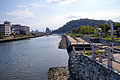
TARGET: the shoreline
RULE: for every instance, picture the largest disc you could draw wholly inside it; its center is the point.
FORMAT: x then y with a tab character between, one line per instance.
16	39
58	73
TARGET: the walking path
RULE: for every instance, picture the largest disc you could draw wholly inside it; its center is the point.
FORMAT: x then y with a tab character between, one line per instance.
80	42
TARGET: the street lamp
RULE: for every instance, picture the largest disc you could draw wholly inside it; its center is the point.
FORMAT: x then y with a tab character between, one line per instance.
112	28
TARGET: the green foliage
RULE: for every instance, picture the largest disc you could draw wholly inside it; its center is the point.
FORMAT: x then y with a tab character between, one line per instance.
89	53
110	39
118	47
116	25
1	35
104	27
75	30
76	35
86	29
83	30
77	23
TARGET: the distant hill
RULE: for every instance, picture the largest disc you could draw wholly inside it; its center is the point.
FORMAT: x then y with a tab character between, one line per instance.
76	24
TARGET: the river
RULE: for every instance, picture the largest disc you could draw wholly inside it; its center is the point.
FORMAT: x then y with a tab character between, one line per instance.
31	59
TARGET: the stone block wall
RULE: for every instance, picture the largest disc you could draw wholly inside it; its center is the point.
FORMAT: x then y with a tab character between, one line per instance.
82	67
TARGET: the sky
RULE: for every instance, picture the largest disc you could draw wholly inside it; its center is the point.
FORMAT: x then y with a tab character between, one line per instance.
39	14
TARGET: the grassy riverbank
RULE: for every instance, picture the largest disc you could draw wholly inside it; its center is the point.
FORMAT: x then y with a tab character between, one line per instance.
20	37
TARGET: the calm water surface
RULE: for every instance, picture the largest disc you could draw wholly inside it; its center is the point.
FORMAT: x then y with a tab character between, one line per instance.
30	59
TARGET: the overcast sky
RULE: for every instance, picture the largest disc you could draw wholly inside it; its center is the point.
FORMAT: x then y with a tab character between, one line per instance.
39	14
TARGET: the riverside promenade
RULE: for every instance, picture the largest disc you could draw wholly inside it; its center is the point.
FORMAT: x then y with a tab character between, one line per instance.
81	46
83	67
105	66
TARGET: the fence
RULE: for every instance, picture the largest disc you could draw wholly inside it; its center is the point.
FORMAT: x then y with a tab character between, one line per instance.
107	53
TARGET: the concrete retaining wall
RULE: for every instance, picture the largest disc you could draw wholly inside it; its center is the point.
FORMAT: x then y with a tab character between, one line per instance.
82	67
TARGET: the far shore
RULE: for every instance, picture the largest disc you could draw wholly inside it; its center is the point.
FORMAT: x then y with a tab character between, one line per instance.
20	38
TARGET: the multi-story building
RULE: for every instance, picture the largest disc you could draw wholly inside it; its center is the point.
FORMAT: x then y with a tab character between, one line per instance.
5	29
18	29
47	30
26	30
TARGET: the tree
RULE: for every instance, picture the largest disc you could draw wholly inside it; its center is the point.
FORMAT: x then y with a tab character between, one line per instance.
75	30
105	28
86	29
1	35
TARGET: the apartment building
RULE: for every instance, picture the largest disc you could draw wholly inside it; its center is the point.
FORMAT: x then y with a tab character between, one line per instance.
18	29
5	29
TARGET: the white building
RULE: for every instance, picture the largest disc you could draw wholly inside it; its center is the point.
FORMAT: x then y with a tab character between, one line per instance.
5	29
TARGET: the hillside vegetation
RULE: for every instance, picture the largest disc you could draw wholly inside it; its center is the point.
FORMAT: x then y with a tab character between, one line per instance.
77	23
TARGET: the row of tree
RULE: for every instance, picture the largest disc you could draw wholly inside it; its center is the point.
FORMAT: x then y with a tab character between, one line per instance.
83	30
103	29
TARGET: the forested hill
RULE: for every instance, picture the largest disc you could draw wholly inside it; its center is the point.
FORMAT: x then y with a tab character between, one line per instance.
76	24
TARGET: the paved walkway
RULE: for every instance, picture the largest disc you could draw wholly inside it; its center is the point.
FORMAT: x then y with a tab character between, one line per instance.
81	41
73	41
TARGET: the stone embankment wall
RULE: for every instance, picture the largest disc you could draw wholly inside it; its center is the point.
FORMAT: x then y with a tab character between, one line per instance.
62	44
82	67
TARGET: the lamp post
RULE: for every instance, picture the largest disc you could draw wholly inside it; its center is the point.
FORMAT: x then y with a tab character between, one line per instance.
112	28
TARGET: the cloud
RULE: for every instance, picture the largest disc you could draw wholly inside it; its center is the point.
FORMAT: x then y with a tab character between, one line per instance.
73	17
36	5
63	1
104	15
33	5
22	6
22	13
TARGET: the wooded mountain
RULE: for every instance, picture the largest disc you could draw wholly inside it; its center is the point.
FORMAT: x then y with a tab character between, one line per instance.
76	24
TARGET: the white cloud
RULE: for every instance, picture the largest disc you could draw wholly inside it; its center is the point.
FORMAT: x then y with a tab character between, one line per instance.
33	5
73	17
63	1
22	6
37	5
104	15
22	13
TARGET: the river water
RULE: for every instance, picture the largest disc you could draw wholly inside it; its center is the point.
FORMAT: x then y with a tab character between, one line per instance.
31	59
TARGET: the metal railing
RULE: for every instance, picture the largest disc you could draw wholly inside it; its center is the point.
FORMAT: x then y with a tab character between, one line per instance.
107	54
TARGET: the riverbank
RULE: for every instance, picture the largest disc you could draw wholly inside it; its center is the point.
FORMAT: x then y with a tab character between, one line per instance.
15	39
19	38
58	73
62	43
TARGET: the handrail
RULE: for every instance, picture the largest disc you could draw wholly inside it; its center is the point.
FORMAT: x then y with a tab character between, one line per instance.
110	51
